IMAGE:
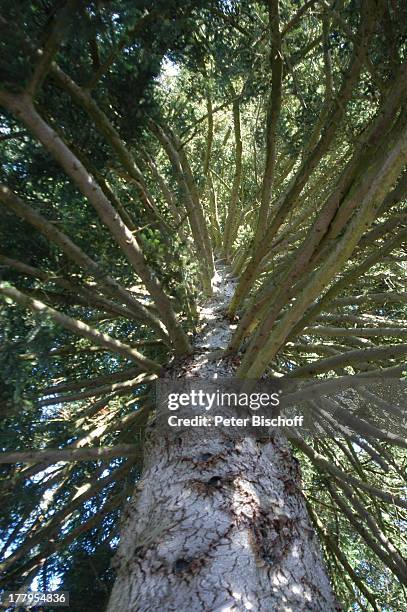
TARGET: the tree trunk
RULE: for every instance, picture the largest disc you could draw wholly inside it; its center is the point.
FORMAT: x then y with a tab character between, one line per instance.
219	523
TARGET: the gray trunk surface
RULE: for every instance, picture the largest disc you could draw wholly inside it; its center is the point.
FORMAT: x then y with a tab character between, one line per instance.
218	523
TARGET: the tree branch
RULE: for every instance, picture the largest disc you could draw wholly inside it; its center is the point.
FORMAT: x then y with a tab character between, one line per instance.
48	52
25	111
49	230
55	455
82	329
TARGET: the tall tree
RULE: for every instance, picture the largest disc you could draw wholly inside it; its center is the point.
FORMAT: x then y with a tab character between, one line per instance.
205	189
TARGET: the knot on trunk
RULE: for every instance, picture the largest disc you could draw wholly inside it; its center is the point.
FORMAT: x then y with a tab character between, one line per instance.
272	538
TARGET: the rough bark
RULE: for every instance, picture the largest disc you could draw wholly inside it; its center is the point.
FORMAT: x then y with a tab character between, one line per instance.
218	523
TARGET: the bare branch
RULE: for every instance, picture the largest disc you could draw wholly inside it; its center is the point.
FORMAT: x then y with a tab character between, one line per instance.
297	17
326	466
359	357
118	388
48	52
289	198
55	455
81	329
126	40
25	111
369	192
74	252
361	332
273	114
231	225
57	519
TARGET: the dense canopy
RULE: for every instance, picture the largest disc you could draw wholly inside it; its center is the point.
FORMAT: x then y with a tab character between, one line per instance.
142	142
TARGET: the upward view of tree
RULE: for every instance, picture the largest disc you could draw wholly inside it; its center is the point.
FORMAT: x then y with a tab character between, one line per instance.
174	172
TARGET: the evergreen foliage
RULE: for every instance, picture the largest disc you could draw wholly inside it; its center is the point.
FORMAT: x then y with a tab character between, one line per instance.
274	138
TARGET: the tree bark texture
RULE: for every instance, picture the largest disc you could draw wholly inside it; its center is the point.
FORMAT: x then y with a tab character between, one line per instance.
218	522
